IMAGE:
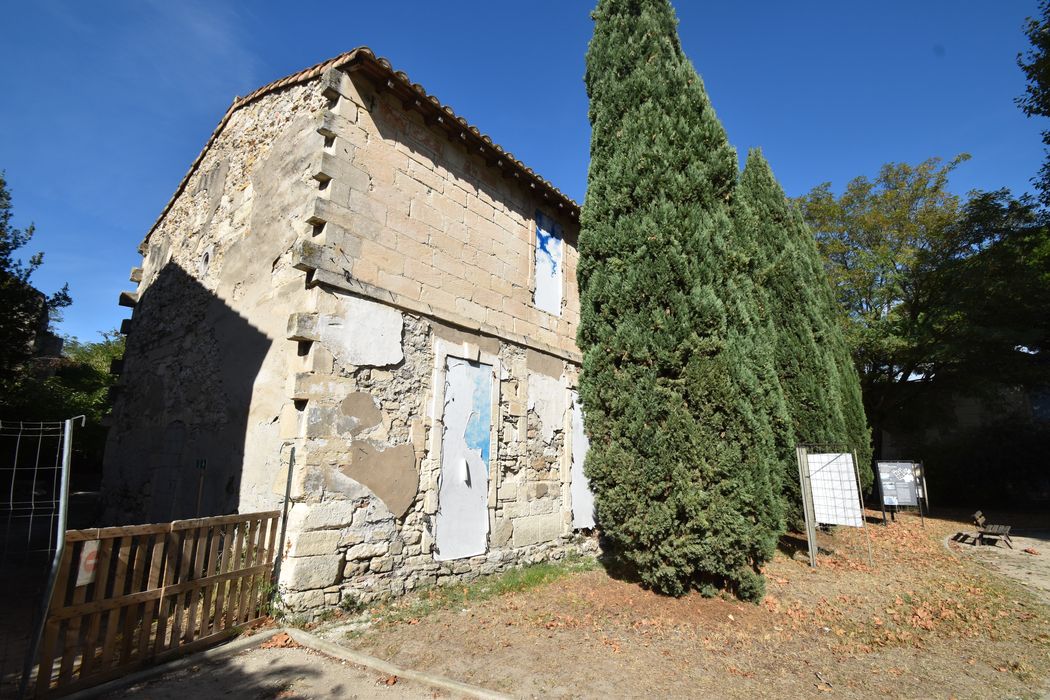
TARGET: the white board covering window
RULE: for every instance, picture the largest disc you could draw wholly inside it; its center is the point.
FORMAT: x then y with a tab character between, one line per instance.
549	258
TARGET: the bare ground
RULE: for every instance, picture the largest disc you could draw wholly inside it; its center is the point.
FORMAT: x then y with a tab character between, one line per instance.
280	670
923	622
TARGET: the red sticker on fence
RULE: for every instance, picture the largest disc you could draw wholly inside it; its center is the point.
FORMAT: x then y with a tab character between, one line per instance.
88	560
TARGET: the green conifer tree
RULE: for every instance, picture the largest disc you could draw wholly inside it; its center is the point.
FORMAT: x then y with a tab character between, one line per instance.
682	461
831	335
812	361
799	367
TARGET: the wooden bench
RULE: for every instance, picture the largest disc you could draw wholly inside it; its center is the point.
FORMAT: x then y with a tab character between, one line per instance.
988	531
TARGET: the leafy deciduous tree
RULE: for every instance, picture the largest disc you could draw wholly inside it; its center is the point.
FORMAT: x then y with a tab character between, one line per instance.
1036	100
883	242
945	298
79	385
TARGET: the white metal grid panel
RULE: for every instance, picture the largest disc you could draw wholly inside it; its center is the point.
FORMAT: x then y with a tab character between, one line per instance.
835	497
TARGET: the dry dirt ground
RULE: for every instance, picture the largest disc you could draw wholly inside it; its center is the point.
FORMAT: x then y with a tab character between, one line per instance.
923	622
278	671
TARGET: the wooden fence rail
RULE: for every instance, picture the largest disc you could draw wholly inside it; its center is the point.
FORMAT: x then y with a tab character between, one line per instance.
127	597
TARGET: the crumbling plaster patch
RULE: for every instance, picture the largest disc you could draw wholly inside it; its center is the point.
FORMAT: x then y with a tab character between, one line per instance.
462	521
362	408
461	338
548	397
387	555
580	490
390	474
543	363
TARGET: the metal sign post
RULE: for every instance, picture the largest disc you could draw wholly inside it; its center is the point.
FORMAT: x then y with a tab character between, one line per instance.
802	454
863	518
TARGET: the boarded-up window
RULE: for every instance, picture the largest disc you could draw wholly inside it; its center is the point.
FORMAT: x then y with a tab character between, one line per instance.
549	257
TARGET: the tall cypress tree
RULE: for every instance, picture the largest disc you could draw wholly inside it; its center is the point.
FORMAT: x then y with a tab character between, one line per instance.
812	361
681	459
797	382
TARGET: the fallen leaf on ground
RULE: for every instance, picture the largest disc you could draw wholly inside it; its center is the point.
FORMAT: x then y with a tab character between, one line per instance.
1030	550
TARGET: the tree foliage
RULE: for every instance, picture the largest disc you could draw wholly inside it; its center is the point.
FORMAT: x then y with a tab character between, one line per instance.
945	297
77	384
882	241
24	311
1036	101
682	462
993	325
811	359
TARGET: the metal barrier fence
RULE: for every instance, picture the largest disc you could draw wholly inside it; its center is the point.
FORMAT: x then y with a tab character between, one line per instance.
34	495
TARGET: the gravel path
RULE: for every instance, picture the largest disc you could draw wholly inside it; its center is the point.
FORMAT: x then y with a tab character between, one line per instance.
1033	570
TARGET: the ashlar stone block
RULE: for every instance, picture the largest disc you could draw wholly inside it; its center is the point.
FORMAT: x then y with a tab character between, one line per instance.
303	573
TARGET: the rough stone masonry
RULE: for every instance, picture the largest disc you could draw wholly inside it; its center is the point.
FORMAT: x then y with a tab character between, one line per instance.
347	267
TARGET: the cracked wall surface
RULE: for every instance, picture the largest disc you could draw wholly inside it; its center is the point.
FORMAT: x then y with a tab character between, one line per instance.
306	293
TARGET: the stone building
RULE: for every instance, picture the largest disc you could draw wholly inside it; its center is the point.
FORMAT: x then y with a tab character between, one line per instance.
352	272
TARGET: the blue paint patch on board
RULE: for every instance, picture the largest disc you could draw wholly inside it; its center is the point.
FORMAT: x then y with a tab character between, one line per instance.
477	433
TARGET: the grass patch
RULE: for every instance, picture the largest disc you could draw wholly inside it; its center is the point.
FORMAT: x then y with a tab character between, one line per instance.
434	598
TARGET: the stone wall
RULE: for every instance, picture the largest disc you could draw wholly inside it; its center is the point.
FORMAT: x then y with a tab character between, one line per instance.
205	370
300	297
405	215
366	475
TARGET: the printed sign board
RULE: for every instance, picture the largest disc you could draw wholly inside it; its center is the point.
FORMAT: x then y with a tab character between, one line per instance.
898	484
833	479
88	562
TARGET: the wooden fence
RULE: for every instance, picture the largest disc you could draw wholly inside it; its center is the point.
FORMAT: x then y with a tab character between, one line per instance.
127	597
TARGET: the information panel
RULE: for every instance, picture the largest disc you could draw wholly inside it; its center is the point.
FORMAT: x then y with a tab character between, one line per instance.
836	500
898	484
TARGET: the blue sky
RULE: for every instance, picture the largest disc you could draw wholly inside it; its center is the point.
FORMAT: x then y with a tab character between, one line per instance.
106	104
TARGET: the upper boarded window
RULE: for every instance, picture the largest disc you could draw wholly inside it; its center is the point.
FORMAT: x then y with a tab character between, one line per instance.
549	258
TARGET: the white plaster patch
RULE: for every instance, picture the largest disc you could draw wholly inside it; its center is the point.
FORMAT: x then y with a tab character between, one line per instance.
547	398
340	483
462	521
579	487
362	333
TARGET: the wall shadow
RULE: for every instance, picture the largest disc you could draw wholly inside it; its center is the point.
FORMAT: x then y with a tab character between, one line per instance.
180	417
